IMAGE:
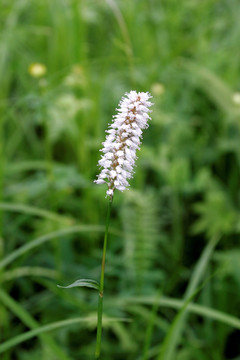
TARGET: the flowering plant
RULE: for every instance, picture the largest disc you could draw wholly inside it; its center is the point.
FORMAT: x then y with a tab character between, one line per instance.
117	163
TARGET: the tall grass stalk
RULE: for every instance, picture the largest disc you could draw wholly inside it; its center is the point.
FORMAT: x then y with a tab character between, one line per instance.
101	288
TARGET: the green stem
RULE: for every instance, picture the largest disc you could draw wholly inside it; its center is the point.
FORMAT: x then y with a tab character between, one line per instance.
100	299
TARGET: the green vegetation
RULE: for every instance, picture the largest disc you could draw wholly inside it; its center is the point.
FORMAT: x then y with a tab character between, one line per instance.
172	280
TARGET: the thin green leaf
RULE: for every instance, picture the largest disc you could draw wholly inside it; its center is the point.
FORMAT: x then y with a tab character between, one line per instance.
197	309
83	283
53	235
167	351
29	321
28	271
50	327
174	334
34	211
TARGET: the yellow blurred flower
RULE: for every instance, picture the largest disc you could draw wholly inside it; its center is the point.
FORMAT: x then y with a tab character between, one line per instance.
157	89
37	70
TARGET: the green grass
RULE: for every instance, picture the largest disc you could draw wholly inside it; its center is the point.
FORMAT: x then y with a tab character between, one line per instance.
184	194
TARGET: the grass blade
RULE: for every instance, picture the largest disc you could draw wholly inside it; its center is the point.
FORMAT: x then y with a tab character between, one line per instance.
50	327
28	271
28	320
34	211
43	239
174	334
192	308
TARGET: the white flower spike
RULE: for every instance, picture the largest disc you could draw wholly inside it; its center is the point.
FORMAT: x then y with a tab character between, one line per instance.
122	141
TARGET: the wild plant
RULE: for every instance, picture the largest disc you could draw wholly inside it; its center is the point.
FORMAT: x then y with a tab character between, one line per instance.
117	164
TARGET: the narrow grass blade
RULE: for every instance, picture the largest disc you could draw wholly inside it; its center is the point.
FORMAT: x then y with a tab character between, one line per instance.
167	350
28	271
192	308
201	266
83	283
43	239
50	327
34	211
28	320
174	334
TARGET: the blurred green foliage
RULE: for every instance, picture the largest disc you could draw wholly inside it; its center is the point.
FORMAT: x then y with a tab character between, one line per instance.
174	234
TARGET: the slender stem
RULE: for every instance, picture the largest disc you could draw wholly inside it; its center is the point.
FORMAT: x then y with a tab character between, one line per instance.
100	299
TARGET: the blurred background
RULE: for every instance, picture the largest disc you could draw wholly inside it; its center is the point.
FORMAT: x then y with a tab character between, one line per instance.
173	262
